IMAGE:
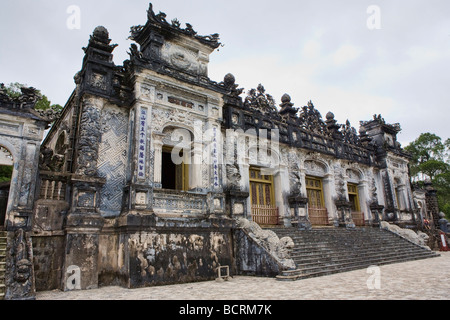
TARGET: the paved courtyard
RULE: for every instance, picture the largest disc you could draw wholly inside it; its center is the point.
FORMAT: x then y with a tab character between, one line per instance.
416	280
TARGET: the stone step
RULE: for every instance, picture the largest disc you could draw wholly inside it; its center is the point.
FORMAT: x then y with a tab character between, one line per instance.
2	291
379	260
300	260
3	242
300	274
347	245
322	251
326	247
308	252
358	260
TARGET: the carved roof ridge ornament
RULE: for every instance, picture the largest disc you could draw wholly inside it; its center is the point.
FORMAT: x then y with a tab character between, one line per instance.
160	19
27	99
311	120
49	115
396	128
287	111
349	133
26	103
229	84
100	40
258	100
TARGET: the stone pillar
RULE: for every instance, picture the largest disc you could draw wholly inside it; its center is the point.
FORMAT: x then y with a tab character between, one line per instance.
84	222
432	203
245	185
377	214
363	196
157	146
19	277
444	226
80	270
282	189
236	202
344	214
195	182
146	169
401	193
21	194
300	206
328	186
389	197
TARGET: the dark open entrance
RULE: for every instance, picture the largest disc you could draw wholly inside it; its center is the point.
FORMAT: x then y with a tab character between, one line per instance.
174	176
168	172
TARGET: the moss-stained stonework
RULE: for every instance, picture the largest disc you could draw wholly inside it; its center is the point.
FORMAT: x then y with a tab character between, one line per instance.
149	258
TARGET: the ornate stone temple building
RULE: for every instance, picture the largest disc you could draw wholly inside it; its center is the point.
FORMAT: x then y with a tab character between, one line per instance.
152	166
21	132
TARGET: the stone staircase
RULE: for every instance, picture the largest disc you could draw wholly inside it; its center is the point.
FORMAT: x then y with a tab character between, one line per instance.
324	251
2	264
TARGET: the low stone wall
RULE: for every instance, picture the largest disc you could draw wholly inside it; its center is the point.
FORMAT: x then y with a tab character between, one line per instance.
48	255
161	257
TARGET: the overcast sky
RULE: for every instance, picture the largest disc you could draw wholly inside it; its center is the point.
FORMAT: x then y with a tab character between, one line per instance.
345	58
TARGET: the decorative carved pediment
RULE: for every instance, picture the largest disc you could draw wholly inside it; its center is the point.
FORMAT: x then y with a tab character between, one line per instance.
258	100
311	119
315	168
349	134
139	32
353	175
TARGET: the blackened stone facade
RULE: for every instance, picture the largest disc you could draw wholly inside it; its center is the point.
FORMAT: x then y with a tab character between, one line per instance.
21	132
146	172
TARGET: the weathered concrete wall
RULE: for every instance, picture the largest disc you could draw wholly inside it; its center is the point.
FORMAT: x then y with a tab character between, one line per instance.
174	256
49	215
48	255
111	263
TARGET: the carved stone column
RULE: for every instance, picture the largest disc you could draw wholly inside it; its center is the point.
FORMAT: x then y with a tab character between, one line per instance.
432	203
377	214
389	197
84	221
157	146
196	165
145	173
300	206
236	202
344	214
82	233
22	193
19	277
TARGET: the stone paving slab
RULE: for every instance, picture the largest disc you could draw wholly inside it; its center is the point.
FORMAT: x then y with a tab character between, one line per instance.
427	279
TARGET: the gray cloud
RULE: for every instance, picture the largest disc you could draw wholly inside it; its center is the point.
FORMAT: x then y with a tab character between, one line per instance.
320	50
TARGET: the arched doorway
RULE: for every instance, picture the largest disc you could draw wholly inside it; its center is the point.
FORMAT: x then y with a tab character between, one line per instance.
262	198
177	168
6	171
355	190
317	191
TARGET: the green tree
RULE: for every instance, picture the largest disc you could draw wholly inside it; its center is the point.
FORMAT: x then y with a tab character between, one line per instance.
13	90
5	173
430	160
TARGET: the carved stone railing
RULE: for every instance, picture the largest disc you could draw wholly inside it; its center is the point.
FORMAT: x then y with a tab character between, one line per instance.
53	186
179	203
